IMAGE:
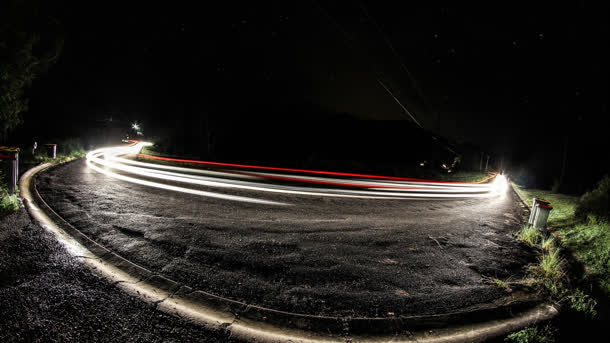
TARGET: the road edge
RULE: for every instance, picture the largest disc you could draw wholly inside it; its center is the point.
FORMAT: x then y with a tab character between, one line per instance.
253	323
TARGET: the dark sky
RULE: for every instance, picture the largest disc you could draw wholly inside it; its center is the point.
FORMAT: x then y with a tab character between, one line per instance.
490	73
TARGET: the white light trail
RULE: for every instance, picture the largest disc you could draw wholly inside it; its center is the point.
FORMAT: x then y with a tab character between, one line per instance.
109	159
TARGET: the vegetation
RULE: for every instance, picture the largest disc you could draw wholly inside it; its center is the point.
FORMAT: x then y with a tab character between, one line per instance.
8	202
462	176
67	150
586	235
29	45
533	334
530	235
596	203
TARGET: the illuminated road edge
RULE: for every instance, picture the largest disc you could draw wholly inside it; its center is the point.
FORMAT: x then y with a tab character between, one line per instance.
108	161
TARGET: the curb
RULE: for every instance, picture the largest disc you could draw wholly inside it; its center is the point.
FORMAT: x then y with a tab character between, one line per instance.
254	323
512	186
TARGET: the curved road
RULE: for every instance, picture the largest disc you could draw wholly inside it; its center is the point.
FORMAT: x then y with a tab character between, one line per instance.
381	251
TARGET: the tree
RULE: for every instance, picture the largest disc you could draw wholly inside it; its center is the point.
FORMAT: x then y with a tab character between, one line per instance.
30	42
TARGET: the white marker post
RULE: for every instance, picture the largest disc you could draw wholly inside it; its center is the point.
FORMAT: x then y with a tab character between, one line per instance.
10	155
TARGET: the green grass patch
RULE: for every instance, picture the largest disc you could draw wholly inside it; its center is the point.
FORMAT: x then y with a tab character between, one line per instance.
548	244
564	206
551	266
67	150
530	235
461	176
9	203
590	241
533	334
587	236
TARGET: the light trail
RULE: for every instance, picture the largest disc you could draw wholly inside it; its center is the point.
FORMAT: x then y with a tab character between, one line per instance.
109	162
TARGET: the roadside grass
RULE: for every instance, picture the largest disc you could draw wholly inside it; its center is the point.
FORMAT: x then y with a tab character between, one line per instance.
9	203
67	150
501	284
529	235
588	238
551	266
461	176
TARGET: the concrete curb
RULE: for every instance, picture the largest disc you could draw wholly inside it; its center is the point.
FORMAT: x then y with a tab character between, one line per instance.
254	323
512	186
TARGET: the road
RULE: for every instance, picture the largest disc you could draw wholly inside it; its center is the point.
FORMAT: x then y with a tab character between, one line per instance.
305	243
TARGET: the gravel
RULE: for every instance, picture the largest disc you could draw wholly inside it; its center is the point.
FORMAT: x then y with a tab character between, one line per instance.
47	295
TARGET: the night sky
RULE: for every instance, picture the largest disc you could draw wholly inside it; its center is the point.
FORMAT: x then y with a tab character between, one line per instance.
490	74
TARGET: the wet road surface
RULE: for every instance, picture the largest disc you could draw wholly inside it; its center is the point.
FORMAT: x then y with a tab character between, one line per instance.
319	255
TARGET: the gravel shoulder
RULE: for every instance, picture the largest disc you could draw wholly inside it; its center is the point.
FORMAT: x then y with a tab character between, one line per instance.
320	256
47	295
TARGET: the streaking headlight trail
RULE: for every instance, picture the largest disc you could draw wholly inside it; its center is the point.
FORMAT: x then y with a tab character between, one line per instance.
109	161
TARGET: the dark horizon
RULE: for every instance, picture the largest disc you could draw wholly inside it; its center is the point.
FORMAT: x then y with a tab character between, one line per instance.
516	81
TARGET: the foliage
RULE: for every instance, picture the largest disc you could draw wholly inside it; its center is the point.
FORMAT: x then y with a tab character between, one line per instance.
529	235
29	45
581	302
596	202
548	244
67	150
588	239
551	266
8	202
461	176
533	334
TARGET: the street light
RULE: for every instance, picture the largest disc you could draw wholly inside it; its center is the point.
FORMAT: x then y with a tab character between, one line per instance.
137	128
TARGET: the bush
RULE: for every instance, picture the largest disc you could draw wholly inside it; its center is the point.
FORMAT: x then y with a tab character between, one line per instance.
596	202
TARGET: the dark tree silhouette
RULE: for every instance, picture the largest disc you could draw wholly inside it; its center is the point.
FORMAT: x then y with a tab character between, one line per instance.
30	42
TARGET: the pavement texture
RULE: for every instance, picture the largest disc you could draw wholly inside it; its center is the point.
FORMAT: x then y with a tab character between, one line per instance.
47	295
321	256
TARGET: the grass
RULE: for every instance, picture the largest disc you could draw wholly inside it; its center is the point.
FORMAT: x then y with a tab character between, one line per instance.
588	238
67	150
534	334
462	176
9	203
548	244
530	235
38	157
551	266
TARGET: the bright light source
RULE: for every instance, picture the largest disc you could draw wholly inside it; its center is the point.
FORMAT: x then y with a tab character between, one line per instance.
500	185
136	126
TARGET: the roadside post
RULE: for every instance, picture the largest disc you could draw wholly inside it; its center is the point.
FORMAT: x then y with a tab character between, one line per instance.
10	159
51	150
542	216
540	213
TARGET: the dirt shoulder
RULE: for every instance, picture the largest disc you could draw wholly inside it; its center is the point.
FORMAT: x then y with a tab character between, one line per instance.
46	295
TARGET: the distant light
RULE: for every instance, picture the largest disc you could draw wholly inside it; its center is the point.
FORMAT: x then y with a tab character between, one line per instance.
136	126
500	185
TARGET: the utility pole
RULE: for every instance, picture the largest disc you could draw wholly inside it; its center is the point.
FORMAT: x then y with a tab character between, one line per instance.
481	163
486	163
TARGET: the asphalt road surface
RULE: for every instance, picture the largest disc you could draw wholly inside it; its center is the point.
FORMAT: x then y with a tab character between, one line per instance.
316	255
